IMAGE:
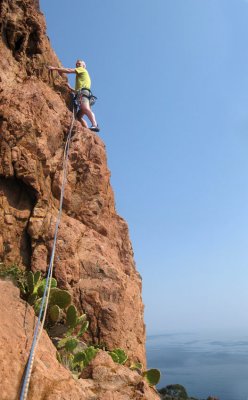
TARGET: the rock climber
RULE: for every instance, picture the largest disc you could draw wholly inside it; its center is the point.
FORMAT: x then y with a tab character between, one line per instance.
82	92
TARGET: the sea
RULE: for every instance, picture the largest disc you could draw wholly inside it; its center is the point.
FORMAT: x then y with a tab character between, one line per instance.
205	364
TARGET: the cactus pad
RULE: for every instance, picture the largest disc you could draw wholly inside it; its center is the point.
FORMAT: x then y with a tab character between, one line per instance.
31	298
152	376
37	276
60	297
84	327
136	366
54	313
119	356
42	286
83	358
71	316
30	282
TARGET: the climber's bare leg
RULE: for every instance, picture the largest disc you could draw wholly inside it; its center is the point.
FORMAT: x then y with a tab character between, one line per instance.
81	120
86	110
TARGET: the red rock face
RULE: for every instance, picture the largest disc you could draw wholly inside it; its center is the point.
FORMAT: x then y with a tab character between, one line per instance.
94	257
103	379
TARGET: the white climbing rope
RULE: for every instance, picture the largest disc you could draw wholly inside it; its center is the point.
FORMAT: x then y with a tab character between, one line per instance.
44	304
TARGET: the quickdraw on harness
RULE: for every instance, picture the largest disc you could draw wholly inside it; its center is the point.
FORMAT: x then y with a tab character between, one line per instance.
78	96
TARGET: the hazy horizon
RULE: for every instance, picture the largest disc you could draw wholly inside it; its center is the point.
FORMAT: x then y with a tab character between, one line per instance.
202	364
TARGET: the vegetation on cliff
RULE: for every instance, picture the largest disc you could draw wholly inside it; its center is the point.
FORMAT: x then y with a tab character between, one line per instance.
65	326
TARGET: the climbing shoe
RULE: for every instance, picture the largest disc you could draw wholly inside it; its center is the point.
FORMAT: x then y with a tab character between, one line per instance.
95	128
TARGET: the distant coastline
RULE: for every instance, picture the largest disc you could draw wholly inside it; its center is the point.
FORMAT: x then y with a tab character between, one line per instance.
204	364
178	392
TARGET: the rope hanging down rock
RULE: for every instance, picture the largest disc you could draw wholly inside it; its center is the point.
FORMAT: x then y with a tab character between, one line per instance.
44	304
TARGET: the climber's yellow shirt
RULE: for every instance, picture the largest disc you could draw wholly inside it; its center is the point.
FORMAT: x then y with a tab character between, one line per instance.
82	78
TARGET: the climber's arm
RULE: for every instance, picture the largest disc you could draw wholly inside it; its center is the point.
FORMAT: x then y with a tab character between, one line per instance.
62	70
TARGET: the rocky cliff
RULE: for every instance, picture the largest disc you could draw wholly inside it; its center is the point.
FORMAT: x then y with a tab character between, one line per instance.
94	257
103	380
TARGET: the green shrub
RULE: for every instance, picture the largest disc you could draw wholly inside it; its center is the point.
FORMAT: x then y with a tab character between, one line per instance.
176	391
72	352
16	275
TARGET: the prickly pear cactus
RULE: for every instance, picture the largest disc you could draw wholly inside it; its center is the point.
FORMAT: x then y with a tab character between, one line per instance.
83	329
30	282
42	285
36	286
54	313
83	358
136	366
37	306
71	316
73	321
152	376
119	356
37	276
60	297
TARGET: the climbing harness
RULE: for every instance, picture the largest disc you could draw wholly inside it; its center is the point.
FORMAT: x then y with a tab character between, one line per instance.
45	298
77	98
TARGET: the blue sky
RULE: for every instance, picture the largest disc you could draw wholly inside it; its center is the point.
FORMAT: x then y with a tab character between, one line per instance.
171	77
